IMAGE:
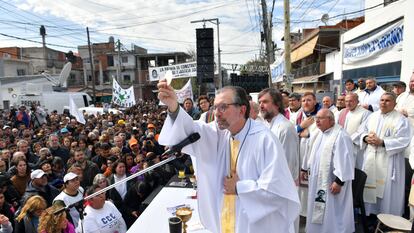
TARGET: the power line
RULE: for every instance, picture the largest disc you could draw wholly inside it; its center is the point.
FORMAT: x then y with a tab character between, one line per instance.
19	38
333	17
165	19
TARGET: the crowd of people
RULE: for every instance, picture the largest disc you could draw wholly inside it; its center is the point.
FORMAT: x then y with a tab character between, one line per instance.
50	161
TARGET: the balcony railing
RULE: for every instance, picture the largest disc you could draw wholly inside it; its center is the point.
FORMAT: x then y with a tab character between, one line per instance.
309	70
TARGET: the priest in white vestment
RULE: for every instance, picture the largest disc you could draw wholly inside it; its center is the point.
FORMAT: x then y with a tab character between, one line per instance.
330	165
305	126
371	97
384	137
292	111
350	118
265	197
271	108
405	102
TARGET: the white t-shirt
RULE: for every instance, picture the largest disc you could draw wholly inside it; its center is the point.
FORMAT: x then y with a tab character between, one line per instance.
105	220
69	200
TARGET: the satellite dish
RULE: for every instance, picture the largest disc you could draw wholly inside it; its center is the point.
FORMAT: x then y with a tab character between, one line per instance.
325	18
64	74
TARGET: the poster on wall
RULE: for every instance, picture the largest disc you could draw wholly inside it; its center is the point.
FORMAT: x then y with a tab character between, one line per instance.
389	38
183	70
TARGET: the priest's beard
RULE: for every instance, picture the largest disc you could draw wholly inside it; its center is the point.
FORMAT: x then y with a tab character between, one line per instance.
223	124
268	115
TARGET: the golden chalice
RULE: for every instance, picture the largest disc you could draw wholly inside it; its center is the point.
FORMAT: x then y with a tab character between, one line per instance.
184	214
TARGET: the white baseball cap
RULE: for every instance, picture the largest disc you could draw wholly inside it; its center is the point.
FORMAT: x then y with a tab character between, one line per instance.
69	176
36	174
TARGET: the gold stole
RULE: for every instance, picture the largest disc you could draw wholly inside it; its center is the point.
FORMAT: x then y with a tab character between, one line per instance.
228	218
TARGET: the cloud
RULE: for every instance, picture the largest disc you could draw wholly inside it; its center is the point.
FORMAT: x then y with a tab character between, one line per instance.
158	25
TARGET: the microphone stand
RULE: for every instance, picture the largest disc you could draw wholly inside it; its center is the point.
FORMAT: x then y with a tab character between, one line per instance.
79	205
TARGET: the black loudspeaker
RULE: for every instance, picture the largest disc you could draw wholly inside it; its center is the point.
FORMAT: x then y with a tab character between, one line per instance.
205	55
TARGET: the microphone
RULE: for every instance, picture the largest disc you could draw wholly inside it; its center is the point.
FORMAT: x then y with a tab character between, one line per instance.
177	148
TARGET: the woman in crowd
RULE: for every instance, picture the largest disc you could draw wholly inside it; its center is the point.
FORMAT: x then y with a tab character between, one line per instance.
117	194
52	222
28	219
22	176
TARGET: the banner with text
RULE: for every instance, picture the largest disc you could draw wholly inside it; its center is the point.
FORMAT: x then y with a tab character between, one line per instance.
183	70
185	92
122	97
278	70
380	42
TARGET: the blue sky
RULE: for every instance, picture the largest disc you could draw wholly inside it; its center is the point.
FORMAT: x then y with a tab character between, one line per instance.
158	25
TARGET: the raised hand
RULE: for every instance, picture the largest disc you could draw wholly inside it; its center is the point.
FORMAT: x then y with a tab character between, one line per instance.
167	95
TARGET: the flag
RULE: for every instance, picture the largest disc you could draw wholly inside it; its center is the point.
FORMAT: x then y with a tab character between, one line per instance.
122	97
75	112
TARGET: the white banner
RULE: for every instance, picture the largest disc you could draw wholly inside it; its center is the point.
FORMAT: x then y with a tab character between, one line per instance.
384	40
185	92
278	70
183	70
122	97
73	110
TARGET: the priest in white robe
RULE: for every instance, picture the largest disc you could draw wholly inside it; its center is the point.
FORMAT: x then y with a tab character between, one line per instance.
370	98
264	193
305	126
350	118
405	102
330	165
384	137
271	108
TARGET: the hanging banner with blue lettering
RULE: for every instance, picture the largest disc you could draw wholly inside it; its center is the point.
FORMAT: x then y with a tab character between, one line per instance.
389	38
122	97
278	70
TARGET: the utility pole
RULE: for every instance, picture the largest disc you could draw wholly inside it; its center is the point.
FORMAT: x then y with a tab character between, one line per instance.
267	31
92	70
43	34
216	22
118	70
288	65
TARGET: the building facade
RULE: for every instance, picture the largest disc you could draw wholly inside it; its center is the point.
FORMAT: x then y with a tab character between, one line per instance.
381	47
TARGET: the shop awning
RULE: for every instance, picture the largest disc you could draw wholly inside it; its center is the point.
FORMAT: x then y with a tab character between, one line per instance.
304	50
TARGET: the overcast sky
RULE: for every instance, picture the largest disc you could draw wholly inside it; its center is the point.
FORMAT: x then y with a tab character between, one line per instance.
158	25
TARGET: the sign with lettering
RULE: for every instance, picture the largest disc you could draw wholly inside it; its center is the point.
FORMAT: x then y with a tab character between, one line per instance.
183	70
388	38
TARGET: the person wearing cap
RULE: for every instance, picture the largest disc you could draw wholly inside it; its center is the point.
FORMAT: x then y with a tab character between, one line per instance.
72	193
399	87
39	186
135	146
151	130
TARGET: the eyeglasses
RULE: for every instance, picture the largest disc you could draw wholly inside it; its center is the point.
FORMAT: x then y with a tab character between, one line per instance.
221	108
321	117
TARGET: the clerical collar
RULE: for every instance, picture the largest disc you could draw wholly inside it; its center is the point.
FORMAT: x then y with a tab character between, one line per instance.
243	133
328	130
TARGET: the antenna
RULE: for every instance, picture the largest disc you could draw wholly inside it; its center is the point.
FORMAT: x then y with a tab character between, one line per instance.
325	18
